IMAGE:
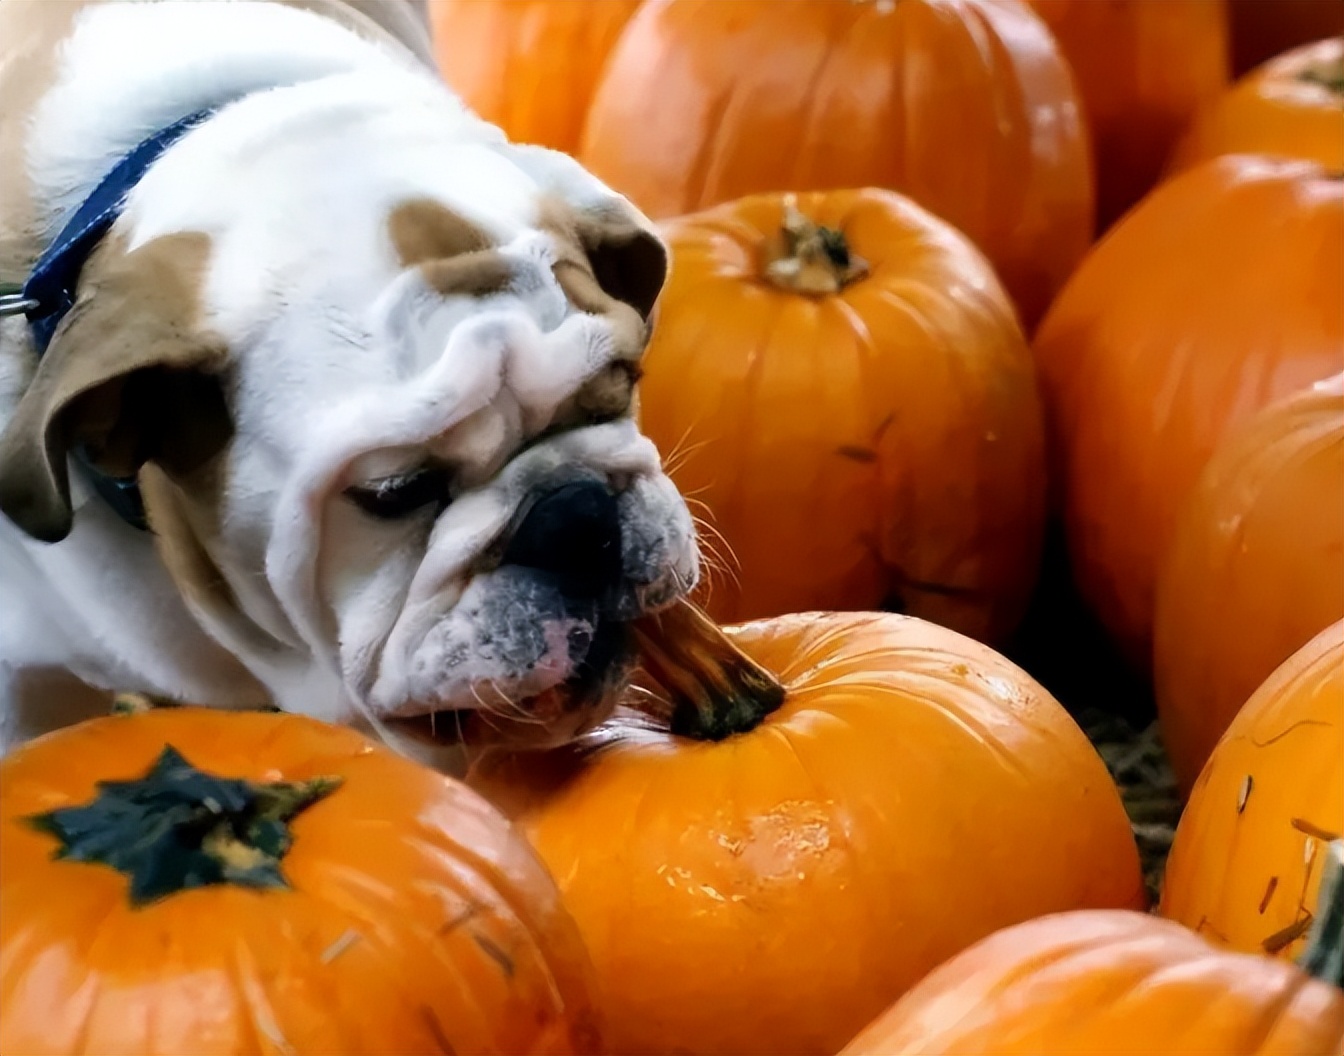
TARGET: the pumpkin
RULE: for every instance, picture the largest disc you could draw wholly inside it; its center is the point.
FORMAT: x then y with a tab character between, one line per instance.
752	880
199	881
529	66
1293	106
1143	70
1255	569
1247	860
1125	984
1216	295
964	105
840	380
1262	29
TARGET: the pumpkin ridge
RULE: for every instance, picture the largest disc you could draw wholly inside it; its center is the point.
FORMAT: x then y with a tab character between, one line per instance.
178	828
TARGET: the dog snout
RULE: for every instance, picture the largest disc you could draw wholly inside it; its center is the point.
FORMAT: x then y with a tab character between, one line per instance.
572	533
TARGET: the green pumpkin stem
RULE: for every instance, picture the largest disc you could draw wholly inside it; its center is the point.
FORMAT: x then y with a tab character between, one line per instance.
1324	955
179	828
809	258
714	688
1329	75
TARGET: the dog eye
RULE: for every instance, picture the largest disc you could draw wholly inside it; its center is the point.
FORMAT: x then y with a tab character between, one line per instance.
397	497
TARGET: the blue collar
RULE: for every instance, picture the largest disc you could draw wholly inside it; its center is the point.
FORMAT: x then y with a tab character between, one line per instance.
49	292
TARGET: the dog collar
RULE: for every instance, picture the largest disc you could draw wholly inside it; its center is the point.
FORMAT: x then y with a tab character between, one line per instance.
49	293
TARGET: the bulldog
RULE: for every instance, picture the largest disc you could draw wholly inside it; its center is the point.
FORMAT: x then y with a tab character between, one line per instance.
315	391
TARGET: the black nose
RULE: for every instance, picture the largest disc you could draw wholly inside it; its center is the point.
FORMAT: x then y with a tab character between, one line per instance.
573	533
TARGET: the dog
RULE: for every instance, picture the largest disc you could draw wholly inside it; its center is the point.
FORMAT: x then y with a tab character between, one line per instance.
316	392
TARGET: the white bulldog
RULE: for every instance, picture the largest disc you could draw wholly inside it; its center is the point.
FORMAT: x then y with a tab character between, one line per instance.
370	364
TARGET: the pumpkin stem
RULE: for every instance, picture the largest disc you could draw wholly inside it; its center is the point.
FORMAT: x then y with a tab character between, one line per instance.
1324	956
1329	75
809	258
177	828
714	688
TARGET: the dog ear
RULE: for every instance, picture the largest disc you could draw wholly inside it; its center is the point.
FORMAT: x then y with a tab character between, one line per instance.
130	377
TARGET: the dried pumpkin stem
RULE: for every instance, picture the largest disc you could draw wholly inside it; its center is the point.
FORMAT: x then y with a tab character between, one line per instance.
715	689
809	258
1324	956
1329	75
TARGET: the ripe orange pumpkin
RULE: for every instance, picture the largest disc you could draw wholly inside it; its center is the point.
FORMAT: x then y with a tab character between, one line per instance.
1262	29
1218	294
1143	70
529	66
964	105
766	881
857	409
1246	865
1256	568
1125	984
303	891
1292	106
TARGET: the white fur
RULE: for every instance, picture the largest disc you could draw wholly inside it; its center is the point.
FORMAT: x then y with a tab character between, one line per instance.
346	368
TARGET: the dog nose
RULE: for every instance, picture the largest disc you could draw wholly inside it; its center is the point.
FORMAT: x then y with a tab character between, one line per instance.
574	534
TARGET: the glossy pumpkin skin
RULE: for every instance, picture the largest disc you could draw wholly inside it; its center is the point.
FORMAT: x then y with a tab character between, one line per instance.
529	66
1262	29
1114	982
1293	106
416	920
1143	69
964	105
1245	867
877	447
773	891
1255	570
1217	295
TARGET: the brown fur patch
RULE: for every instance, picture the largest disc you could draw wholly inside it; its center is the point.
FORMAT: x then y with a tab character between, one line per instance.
455	256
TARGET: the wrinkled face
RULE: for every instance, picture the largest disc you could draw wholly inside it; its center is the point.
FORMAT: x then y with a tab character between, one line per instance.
425	501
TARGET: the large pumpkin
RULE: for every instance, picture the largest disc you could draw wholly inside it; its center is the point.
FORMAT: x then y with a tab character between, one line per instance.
1255	570
1249	851
964	105
1219	293
529	66
844	386
201	882
1292	106
1143	69
1124	984
767	881
1262	29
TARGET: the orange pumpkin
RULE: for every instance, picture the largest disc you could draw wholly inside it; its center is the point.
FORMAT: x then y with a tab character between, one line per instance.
1125	984
529	66
1256	568
1246	865
1143	70
964	105
302	891
1262	29
1293	106
844	386
1219	293
766	881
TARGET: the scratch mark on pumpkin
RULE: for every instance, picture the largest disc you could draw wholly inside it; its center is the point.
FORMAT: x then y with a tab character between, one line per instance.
858	454
495	953
1244	793
1269	893
1314	831
882	427
1284	733
347	939
1286	936
436	1028
456	922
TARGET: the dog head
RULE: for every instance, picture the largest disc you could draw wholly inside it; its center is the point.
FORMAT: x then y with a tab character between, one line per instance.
381	400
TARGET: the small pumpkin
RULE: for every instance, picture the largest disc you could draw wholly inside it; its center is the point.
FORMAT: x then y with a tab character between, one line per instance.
1262	29
767	867
1255	569
199	881
840	380
1246	865
964	105
1292	106
1143	70
1125	984
1216	295
529	66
